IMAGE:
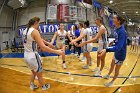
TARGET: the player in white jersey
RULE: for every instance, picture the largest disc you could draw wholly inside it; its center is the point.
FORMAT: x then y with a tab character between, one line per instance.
60	36
71	33
103	43
32	38
81	29
133	43
87	48
137	44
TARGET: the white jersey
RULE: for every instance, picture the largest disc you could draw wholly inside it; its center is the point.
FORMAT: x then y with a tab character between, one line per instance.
29	43
81	31
103	39
133	40
72	34
60	40
31	56
137	40
88	36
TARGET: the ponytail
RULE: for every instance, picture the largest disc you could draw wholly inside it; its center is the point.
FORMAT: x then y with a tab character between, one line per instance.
30	23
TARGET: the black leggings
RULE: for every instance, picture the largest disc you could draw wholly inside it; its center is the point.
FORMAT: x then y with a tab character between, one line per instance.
78	49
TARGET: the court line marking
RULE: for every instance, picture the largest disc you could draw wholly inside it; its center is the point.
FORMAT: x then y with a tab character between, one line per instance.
69	73
58	72
66	81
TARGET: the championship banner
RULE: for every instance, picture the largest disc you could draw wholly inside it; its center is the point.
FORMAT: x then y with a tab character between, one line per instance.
88	1
97	4
81	14
73	12
52	12
63	10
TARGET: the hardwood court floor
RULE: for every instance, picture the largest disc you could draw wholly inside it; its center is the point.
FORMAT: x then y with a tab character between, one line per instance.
14	77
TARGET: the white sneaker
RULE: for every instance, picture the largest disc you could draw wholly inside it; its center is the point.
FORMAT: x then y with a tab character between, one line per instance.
96	69
109	84
106	77
85	67
91	63
83	59
33	86
46	86
64	65
75	54
98	73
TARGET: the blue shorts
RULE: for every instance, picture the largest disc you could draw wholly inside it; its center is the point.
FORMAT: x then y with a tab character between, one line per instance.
117	62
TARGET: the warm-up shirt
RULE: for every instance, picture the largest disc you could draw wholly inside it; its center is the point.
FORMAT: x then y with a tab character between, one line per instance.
120	44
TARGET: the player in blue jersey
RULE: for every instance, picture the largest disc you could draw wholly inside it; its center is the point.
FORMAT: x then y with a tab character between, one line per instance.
119	49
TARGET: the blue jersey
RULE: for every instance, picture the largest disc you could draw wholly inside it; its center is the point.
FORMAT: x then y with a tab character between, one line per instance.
77	33
120	44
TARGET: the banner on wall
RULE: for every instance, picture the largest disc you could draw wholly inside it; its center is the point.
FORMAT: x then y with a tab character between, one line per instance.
73	12
79	0
52	28
97	4
81	14
94	29
52	12
88	1
63	10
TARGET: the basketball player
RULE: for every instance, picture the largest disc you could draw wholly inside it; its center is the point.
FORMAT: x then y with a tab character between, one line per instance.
87	48
60	36
137	44
32	38
119	49
81	29
102	36
133	44
71	33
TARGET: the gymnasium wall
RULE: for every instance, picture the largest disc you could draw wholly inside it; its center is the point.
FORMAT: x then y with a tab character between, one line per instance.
36	8
6	33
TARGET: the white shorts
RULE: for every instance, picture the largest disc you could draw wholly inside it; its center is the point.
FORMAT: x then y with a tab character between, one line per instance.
59	45
87	48
133	43
100	47
137	43
33	61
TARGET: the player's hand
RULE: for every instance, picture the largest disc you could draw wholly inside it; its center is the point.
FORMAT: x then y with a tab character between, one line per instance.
75	44
51	46
82	44
111	43
51	43
102	53
72	42
60	52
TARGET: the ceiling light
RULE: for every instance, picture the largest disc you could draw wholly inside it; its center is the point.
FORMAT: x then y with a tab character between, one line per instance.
136	12
123	12
111	1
